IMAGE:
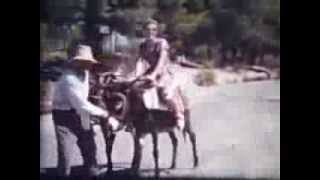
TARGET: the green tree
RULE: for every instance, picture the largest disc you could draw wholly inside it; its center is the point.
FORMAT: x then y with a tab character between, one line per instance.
252	26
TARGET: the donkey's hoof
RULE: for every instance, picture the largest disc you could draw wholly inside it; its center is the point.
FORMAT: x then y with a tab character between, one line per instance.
110	171
173	166
195	165
134	172
134	169
195	162
157	173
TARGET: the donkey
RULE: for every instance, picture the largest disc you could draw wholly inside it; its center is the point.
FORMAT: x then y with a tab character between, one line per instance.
121	100
113	96
153	121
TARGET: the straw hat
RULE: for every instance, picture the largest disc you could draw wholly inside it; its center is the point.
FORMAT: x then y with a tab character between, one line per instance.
83	53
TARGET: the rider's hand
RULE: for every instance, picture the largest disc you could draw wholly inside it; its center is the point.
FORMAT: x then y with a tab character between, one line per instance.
150	80
150	77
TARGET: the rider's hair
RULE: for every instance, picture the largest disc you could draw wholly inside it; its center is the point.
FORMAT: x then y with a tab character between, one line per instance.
151	21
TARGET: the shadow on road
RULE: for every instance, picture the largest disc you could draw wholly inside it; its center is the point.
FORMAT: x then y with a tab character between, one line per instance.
126	174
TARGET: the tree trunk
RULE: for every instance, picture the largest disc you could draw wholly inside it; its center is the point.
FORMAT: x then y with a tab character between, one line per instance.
48	143
209	52
251	58
93	12
46	96
224	57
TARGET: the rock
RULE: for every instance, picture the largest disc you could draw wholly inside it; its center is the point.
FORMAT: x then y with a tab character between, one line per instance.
255	76
275	74
224	77
259	69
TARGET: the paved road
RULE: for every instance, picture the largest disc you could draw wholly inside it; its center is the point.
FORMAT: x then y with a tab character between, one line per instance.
238	131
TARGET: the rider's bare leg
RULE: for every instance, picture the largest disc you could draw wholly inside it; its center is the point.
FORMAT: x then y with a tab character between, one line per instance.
179	116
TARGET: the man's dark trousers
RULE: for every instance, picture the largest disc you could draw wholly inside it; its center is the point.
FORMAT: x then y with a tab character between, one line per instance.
68	126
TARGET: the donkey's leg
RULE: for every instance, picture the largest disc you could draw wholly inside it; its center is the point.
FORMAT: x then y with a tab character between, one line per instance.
155	152
192	137
109	145
109	139
137	156
174	141
106	133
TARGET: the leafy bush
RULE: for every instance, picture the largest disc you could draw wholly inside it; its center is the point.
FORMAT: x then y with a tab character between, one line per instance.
195	6
195	18
201	52
106	56
206	77
227	23
208	64
54	55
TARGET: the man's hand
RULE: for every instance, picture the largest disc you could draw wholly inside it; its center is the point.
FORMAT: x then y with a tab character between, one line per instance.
105	115
113	123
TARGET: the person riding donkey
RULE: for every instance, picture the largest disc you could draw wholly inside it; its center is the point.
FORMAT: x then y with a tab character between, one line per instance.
153	65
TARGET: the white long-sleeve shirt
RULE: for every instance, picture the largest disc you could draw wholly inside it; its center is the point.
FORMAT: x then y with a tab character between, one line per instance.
71	92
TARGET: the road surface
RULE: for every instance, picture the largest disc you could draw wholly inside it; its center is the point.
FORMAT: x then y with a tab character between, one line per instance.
238	133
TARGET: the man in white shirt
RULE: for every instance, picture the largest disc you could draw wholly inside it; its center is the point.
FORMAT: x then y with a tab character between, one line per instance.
72	112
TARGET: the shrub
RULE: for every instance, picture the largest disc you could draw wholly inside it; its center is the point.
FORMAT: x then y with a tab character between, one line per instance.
196	18
55	55
208	64
206	77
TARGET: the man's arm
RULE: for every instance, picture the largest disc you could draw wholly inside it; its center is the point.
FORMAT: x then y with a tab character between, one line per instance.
79	102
